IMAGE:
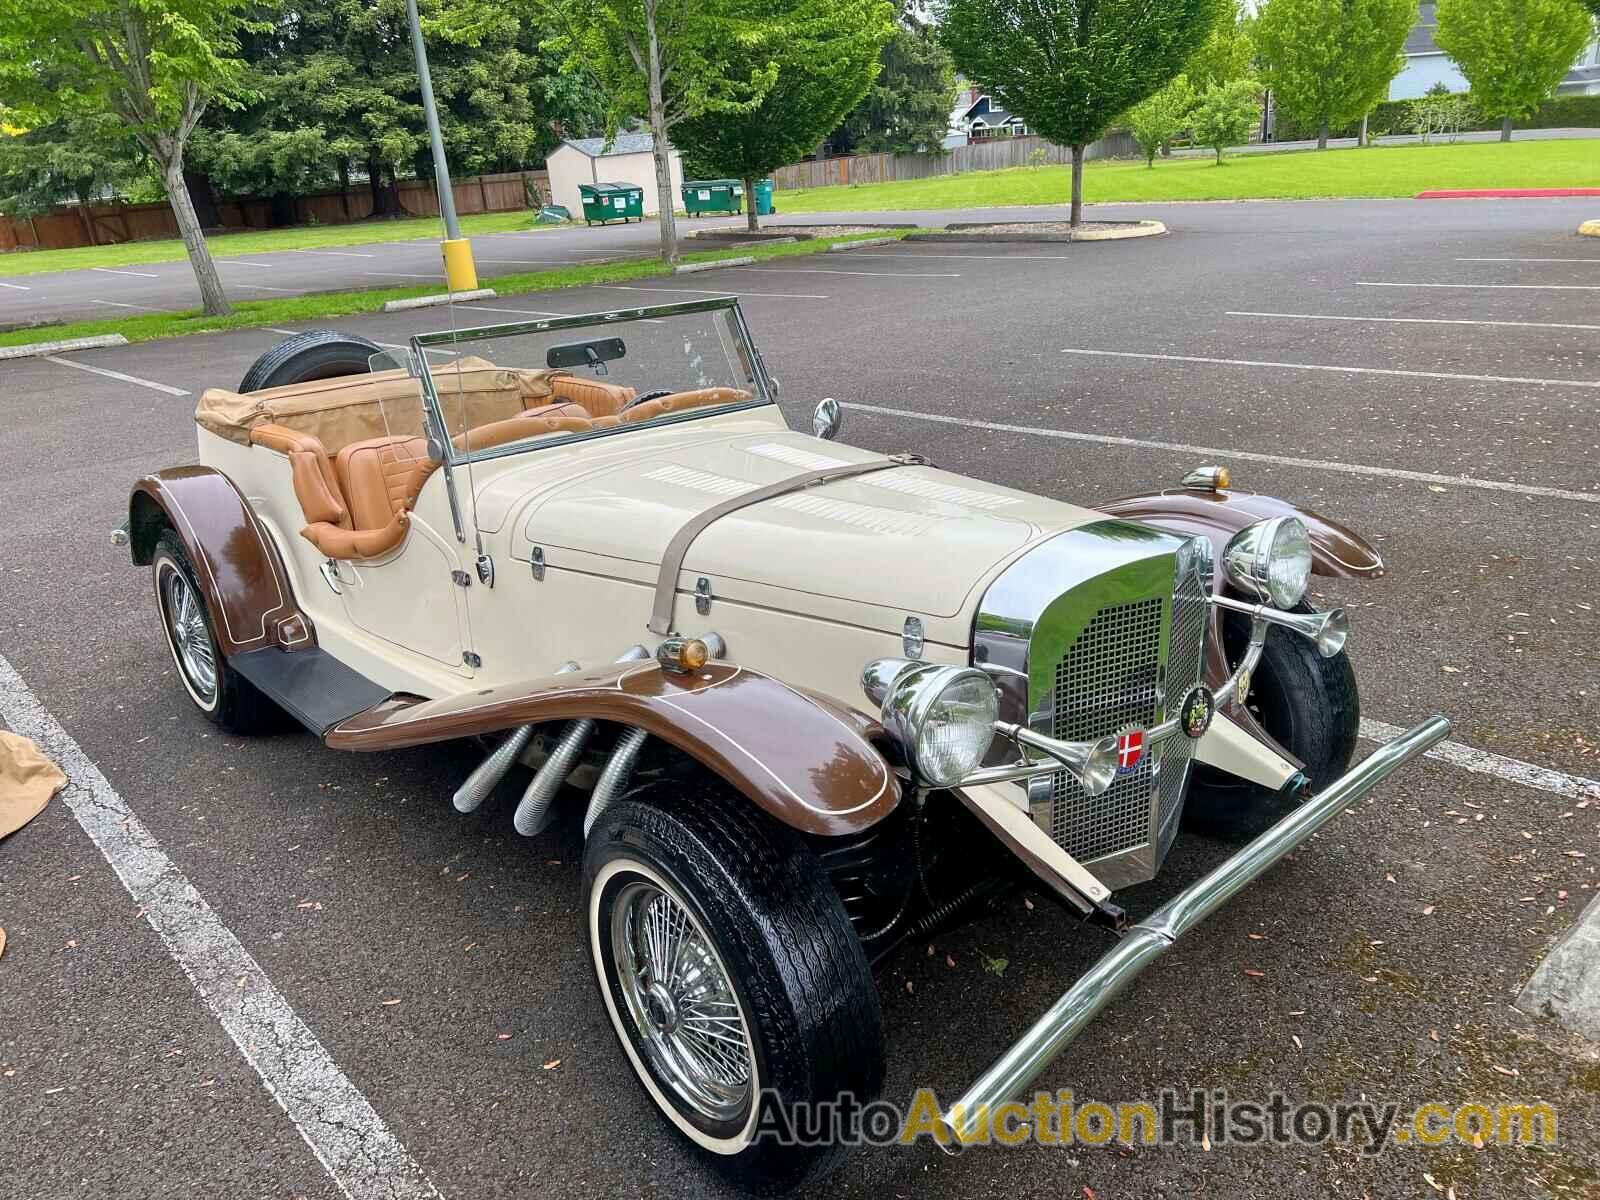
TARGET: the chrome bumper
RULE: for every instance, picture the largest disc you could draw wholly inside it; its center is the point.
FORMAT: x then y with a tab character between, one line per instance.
1147	940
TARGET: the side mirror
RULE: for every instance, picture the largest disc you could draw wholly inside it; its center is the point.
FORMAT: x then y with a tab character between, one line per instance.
827	418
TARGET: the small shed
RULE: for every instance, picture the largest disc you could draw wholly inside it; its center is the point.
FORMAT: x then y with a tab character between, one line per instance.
630	159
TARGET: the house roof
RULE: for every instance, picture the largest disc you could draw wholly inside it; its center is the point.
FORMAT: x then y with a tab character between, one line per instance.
624	143
1420	39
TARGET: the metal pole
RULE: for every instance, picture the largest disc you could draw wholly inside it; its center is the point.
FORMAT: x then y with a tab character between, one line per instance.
441	169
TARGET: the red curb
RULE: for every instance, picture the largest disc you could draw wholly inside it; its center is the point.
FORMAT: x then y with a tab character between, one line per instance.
1507	193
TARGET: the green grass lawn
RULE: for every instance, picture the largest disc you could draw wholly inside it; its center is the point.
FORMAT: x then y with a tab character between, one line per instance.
1376	172
337	304
301	237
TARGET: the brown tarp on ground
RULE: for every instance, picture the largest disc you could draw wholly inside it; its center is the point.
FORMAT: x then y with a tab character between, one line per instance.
27	781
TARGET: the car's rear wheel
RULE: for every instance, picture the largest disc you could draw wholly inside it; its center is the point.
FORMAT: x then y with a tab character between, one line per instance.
226	698
1308	704
315	354
732	977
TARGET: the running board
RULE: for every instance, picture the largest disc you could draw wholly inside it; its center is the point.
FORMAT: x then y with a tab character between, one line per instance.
311	685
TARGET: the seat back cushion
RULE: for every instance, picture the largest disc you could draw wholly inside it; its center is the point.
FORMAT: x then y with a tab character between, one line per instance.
601	399
382	477
315	483
678	401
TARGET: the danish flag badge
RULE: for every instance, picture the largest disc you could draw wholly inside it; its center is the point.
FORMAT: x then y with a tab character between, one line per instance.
1130	749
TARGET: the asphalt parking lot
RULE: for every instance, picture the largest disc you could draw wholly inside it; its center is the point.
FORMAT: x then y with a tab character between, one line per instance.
1428	373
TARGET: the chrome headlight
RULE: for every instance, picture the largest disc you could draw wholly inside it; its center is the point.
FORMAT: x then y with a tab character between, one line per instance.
942	717
1271	560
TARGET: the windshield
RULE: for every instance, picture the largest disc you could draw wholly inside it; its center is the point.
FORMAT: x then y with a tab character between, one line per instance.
508	389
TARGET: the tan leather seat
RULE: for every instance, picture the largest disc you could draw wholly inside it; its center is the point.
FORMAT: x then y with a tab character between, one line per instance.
315	484
679	401
600	399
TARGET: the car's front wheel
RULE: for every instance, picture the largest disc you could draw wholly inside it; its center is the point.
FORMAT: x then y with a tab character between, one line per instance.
732	976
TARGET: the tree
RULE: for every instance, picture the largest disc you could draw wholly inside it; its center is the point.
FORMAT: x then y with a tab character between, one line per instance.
669	61
1328	62
906	110
1225	114
1513	52
1071	67
827	56
78	157
1228	54
155	64
1162	117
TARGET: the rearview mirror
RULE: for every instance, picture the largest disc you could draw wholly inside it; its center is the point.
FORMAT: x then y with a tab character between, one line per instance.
586	354
827	418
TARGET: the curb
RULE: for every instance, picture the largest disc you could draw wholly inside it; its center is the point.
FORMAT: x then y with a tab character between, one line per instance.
84	343
692	268
1590	229
1507	194
882	241
975	233
1566	985
434	301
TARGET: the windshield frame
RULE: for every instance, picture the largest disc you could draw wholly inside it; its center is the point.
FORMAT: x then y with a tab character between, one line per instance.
765	386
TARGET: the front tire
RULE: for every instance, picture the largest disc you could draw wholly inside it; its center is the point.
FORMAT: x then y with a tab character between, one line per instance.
732	977
227	699
1308	704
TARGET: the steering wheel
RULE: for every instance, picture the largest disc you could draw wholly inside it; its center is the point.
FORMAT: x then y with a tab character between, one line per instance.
637	400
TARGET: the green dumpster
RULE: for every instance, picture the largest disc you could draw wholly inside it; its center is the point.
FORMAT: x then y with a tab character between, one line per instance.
704	196
605	202
764	198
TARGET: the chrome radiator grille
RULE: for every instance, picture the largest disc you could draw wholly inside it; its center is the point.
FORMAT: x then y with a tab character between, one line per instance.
1111	680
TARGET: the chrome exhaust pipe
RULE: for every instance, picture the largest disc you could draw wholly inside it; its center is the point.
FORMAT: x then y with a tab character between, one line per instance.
533	810
618	770
484	778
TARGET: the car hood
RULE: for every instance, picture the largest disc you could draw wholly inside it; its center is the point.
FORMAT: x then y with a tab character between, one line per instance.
870	550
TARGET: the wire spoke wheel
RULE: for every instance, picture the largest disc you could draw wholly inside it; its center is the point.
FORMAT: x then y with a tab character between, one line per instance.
186	627
681	1003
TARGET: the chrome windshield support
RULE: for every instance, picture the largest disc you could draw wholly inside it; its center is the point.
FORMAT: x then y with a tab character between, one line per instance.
968	1119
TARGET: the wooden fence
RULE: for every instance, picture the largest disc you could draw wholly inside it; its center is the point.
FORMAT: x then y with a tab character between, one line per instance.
109	224
990	154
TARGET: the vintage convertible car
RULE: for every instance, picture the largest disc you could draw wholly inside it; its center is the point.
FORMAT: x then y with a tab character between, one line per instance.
811	701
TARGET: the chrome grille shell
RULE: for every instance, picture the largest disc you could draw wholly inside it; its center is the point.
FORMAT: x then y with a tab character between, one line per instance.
1088	634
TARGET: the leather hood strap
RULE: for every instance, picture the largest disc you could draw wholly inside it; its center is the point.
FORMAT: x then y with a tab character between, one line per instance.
678	548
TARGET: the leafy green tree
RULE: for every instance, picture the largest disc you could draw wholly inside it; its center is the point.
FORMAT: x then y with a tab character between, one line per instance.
1071	67
1228	54
1225	114
1328	62
827	56
668	61
1513	52
154	64
1162	117
81	156
906	110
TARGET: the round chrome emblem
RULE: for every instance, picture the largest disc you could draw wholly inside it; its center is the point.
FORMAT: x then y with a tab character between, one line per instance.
1199	706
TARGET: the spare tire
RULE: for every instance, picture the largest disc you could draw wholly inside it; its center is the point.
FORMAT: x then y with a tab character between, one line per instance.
314	354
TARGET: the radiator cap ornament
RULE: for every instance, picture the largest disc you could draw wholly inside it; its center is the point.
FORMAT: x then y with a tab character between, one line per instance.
1199	707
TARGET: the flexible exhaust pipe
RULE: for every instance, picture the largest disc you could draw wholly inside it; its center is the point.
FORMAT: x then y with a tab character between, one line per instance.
488	774
618	770
533	810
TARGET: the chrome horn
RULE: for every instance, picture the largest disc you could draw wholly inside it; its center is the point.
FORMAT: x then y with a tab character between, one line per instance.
1092	764
1328	630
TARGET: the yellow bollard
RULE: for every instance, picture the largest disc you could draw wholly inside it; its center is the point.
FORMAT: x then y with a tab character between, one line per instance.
459	273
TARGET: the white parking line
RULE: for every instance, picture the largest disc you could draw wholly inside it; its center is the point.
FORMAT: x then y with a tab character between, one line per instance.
986	257
338	253
364	1159
1289	366
403	275
531	262
135	274
16	287
1210	452
874	274
1513	287
240	262
118	375
261	287
141	307
1592	261
623	287
1413	320
1483	762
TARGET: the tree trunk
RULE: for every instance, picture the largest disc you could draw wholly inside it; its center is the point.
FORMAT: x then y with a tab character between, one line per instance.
751	222
385	196
205	271
1077	185
662	152
1322	136
1505	129
1362	140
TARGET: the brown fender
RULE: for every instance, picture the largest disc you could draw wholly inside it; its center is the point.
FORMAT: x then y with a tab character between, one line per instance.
246	590
801	761
1335	549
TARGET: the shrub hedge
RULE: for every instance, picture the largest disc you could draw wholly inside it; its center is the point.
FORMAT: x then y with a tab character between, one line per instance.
1393	116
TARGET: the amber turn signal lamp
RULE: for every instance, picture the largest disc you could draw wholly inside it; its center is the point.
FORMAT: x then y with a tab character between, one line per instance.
1208	479
682	654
